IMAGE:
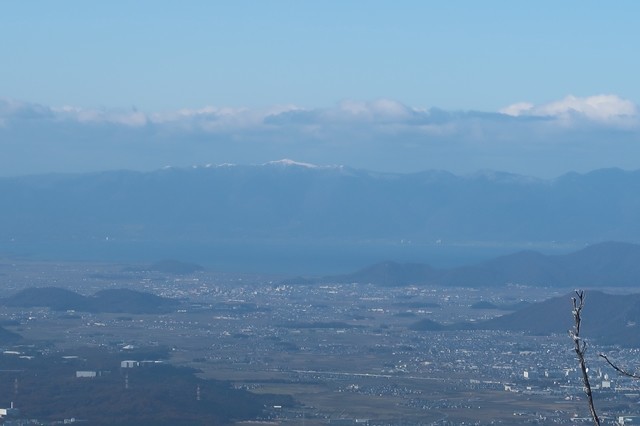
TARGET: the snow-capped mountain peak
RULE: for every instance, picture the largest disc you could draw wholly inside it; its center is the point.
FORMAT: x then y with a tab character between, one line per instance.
288	162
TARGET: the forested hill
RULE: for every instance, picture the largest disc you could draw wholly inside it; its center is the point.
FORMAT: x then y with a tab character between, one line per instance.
609	264
110	300
611	319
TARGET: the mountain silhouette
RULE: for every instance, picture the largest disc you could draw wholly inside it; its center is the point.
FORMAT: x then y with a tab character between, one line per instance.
112	300
604	264
611	319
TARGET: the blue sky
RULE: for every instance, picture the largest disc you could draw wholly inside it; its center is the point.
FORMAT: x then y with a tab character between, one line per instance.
143	84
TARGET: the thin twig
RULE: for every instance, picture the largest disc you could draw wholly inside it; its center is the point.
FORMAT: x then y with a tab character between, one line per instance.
580	347
618	369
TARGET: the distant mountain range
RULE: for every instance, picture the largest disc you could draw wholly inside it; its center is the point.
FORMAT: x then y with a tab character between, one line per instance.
283	201
611	319
295	218
112	300
600	265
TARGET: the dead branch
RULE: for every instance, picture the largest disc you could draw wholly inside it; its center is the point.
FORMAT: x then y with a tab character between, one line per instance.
580	348
618	369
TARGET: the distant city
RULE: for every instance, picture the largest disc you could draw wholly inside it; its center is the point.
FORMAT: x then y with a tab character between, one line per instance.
342	352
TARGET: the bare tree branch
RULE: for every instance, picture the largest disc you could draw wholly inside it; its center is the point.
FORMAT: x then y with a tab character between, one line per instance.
580	347
618	369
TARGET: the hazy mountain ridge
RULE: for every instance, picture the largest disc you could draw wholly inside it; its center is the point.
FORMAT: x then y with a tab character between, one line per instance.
110	300
288	201
611	319
604	264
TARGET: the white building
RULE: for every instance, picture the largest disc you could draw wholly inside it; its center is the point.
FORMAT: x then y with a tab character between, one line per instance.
12	411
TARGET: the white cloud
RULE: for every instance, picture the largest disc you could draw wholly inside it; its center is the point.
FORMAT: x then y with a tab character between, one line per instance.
14	109
378	110
600	108
383	114
216	119
569	134
518	109
82	115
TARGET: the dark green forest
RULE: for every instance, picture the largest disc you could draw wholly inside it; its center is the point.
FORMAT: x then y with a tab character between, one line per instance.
155	393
